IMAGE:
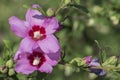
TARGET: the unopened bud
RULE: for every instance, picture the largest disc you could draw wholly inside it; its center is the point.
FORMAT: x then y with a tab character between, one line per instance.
78	62
110	61
11	72
50	12
30	79
87	59
68	70
67	1
3	69
114	19
77	1
9	63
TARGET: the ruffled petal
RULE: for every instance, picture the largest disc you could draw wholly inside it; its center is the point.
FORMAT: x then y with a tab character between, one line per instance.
16	56
94	62
20	55
34	17
27	45
49	45
45	67
18	26
51	25
23	66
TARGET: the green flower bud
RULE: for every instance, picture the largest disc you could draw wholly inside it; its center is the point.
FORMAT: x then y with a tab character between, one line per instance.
97	9
30	79
69	69
11	72
3	69
9	63
78	62
110	61
50	12
77	1
92	76
67	1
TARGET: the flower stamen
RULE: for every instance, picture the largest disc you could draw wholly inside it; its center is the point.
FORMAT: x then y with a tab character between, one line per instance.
36	61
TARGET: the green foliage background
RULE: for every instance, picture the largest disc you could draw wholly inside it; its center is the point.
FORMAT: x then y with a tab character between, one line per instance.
78	33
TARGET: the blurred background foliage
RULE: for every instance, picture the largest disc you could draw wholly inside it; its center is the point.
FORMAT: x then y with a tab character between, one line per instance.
78	31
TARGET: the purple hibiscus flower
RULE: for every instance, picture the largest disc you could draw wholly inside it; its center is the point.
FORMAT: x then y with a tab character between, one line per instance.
99	72
26	63
36	31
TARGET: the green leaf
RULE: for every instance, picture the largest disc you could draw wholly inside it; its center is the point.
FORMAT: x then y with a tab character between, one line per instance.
7	43
1	61
81	7
26	6
3	76
22	77
102	53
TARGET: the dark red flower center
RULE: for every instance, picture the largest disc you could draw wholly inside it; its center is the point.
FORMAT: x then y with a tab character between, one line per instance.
37	32
36	59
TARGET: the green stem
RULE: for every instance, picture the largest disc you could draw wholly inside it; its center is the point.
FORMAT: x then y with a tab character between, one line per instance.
106	68
42	11
60	7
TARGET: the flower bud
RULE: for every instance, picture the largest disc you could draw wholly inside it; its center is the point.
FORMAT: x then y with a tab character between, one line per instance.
97	9
9	63
114	19
77	1
87	59
78	62
92	76
3	69
110	61
11	72
30	79
95	63
67	1
50	12
68	70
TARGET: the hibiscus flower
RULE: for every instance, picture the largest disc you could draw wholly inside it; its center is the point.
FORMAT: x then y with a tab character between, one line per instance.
36	31
27	63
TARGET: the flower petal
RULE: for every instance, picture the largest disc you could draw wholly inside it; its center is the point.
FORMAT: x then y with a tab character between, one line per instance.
34	17
102	73
23	66
53	58
51	25
45	67
49	45
18	26
51	61
16	56
27	44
